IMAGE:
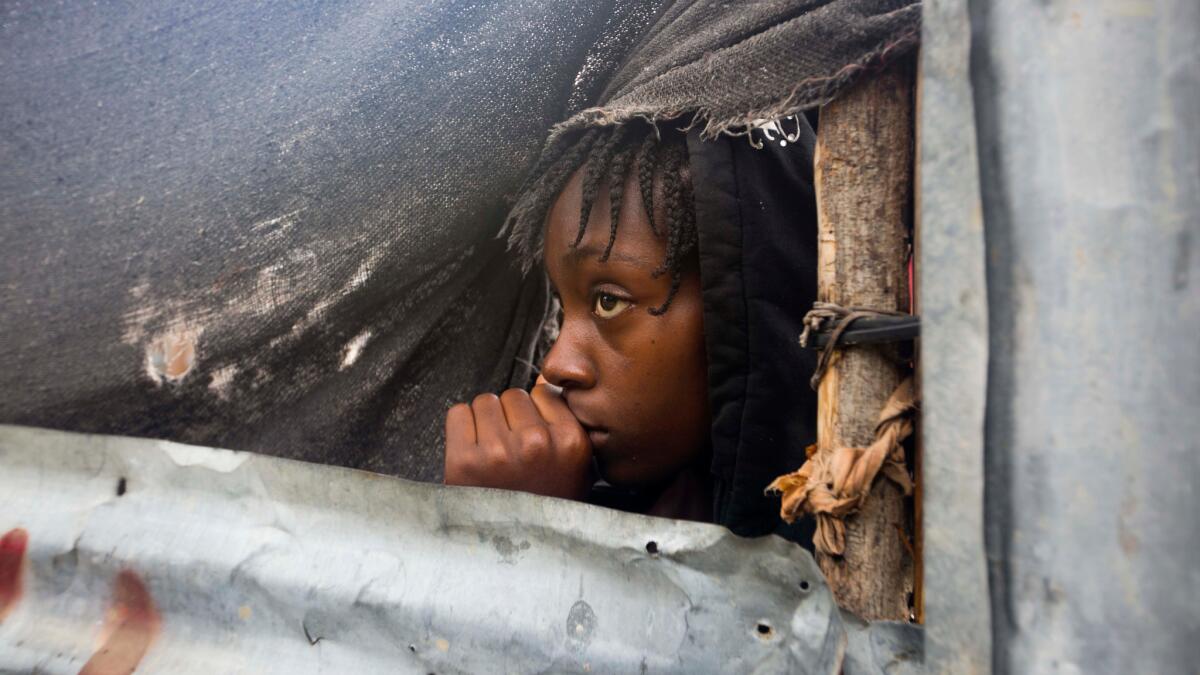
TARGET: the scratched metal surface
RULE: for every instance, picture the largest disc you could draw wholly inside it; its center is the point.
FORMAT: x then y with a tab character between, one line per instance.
218	561
1089	153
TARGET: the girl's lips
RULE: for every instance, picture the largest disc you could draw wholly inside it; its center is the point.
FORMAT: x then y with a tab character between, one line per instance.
597	435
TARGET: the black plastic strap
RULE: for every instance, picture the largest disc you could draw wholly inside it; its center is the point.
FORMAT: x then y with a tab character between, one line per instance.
872	330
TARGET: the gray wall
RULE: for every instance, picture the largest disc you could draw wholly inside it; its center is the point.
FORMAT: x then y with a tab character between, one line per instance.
1089	157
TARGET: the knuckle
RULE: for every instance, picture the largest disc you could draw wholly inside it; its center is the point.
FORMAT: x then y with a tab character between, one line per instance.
571	438
534	439
513	396
493	449
485	399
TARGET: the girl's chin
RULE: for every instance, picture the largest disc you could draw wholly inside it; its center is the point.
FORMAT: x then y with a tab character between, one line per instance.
626	471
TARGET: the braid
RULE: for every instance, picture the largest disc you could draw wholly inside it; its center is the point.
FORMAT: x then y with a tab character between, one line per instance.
594	171
526	216
681	220
548	158
647	157
670	193
607	155
616	190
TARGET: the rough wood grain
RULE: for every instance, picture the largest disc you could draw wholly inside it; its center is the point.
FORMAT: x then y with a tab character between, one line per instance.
864	187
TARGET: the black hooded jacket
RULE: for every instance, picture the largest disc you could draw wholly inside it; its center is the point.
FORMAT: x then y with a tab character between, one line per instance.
757	221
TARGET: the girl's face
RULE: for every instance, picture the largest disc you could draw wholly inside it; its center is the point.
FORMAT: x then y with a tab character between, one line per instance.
637	382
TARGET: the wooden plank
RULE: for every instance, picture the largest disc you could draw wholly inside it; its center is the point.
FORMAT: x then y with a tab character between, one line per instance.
863	181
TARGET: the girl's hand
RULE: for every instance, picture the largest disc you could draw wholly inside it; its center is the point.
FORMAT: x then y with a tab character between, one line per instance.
519	441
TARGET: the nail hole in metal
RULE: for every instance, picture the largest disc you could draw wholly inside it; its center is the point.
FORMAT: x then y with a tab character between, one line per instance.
652	547
764	630
804	585
121	486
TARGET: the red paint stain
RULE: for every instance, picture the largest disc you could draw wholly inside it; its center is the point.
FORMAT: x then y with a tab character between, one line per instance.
131	625
12	558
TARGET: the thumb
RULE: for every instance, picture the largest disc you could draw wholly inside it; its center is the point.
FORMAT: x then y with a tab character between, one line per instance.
541	380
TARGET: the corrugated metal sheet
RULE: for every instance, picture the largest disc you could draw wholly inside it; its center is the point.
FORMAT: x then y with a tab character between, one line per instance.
1089	143
217	561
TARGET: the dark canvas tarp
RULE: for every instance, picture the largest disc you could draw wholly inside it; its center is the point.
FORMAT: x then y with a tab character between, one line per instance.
271	226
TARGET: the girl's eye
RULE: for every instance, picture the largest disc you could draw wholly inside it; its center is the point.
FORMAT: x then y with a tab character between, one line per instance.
608	305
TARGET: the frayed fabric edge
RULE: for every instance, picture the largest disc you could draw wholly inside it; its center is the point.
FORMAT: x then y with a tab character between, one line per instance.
805	95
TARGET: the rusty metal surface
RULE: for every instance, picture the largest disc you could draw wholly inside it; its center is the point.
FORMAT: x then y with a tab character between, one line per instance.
180	559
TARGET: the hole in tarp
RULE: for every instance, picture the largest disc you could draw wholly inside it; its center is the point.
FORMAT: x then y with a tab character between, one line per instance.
121	486
804	585
764	630
412	648
652	547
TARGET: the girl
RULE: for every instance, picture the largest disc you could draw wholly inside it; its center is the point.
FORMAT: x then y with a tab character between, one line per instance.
675	386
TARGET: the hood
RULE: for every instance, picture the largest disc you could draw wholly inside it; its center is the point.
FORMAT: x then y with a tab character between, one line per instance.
757	222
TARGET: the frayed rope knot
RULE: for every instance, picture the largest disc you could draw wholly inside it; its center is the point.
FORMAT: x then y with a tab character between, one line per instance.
823	313
835	482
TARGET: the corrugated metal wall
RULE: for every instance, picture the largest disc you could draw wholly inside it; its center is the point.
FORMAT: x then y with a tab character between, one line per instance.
1089	145
121	553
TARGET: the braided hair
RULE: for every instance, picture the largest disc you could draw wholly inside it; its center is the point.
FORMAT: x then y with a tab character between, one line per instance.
608	155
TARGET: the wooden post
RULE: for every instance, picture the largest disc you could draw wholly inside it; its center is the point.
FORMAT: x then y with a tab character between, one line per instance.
863	178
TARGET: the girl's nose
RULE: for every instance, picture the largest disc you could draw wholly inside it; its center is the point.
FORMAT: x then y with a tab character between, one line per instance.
567	365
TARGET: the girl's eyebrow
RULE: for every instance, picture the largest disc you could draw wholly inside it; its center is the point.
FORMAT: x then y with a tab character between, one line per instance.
576	254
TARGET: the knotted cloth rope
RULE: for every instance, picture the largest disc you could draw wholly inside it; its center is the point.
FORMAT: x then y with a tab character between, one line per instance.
824	312
834	482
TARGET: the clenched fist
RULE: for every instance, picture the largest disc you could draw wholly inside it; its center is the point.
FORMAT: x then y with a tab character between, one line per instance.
519	440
